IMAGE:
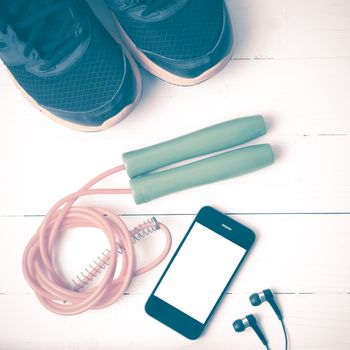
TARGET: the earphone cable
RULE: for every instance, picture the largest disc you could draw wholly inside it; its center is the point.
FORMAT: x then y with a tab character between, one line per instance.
38	262
285	334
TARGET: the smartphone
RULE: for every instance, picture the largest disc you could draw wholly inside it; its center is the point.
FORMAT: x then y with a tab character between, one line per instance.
199	273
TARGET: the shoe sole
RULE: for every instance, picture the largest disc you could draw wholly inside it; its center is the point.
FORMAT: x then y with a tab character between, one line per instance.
163	74
108	123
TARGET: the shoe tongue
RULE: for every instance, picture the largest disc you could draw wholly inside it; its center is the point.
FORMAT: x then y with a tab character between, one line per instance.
52	26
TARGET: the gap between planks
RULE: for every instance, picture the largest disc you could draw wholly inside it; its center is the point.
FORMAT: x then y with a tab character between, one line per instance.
191	214
227	293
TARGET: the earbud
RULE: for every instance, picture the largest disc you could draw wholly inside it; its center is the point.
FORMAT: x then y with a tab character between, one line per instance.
266	295
241	325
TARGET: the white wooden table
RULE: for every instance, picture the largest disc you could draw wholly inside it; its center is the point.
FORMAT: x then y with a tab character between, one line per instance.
292	64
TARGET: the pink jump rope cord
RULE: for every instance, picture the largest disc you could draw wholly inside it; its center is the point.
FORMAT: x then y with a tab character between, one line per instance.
37	263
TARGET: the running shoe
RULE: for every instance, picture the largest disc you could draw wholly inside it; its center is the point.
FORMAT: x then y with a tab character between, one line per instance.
66	64
183	42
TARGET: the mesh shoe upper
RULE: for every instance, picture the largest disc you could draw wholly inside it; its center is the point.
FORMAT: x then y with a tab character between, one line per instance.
93	82
177	31
97	74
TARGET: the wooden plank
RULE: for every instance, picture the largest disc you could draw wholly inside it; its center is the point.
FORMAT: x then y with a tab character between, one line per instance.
313	321
284	29
308	127
293	253
305	102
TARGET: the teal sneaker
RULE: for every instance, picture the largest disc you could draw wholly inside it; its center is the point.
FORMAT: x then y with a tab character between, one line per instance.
66	64
183	42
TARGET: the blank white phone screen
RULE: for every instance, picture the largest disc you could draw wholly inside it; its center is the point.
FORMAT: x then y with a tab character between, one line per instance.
200	272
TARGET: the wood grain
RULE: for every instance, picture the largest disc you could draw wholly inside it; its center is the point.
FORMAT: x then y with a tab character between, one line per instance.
314	322
309	131
291	64
301	256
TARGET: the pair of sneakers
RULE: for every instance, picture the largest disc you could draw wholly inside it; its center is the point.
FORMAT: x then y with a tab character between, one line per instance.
67	64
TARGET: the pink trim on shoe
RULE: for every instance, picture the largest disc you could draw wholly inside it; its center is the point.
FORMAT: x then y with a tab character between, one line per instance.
163	74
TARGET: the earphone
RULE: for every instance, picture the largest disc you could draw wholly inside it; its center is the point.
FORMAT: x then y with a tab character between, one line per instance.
257	299
241	325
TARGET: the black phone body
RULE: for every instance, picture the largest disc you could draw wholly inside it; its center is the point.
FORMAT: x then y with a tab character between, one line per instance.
199	273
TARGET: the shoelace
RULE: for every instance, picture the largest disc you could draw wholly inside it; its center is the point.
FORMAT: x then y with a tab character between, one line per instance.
59	47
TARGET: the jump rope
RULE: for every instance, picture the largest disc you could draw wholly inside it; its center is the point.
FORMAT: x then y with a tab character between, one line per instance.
38	261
